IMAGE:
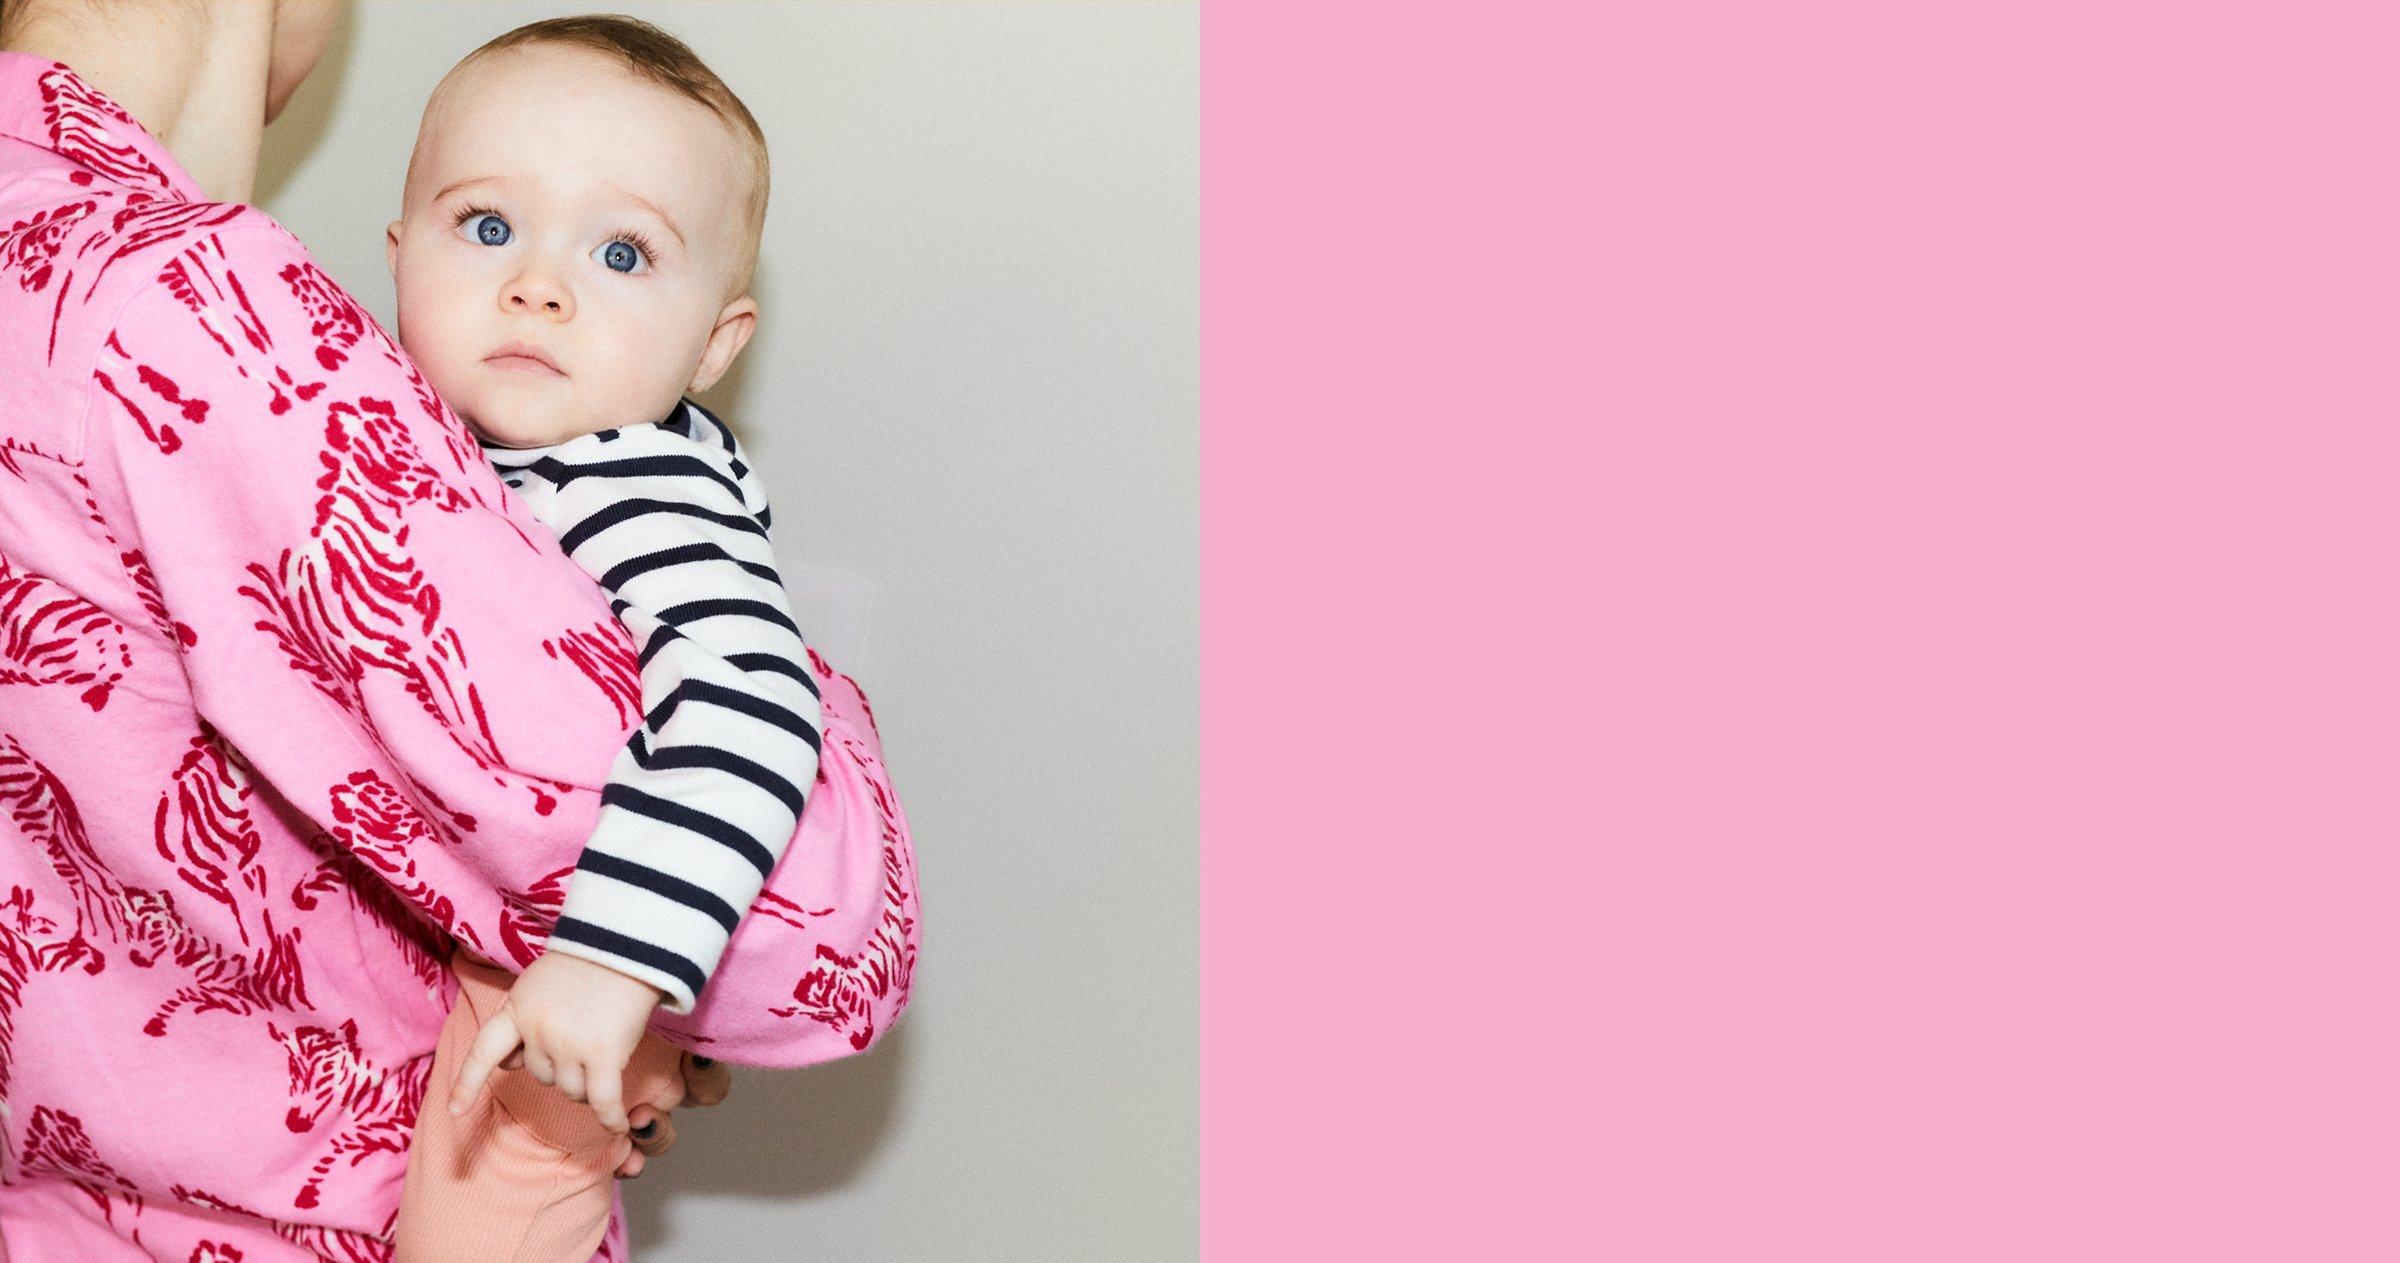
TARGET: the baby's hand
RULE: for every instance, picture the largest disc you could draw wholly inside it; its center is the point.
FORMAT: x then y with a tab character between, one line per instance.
577	1022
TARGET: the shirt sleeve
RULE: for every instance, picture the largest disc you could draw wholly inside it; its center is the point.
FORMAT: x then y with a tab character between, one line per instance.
707	791
388	636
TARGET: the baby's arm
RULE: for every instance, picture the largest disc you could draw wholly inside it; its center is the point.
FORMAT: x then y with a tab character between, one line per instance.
706	793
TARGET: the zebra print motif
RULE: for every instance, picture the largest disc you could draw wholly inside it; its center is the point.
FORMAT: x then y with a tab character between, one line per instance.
221	981
331	1077
49	635
43	811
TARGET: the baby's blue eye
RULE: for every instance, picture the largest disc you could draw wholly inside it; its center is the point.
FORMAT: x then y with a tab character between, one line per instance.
490	229
616	252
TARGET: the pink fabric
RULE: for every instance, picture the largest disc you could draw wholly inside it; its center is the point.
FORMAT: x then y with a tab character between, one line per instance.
293	696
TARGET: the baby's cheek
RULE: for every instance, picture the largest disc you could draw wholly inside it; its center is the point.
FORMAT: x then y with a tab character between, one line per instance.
445	379
420	338
627	387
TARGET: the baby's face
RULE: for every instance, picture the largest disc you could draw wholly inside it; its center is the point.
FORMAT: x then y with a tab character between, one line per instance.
558	204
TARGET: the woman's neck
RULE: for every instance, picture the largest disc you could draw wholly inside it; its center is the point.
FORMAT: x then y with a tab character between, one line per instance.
194	76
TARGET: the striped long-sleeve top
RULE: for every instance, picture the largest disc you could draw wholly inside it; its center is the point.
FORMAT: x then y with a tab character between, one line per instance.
670	519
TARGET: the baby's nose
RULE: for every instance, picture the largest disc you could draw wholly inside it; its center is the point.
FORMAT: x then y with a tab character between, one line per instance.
536	293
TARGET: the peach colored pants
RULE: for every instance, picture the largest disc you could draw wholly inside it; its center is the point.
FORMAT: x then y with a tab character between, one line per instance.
526	1176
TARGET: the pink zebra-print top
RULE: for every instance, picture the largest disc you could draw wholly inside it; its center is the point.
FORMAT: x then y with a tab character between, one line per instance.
294	698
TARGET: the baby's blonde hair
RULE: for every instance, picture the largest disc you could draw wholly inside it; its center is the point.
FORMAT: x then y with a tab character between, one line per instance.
668	62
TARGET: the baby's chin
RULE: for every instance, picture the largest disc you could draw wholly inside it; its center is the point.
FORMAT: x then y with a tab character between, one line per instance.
512	426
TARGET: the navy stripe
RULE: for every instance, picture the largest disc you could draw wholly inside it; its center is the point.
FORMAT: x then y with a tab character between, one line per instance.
773	663
665	557
712	759
633	949
777	664
700	822
755	707
673	889
719	607
560	473
658	641
627	510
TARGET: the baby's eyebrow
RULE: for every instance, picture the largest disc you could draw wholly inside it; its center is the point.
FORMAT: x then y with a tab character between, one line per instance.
473	179
654	208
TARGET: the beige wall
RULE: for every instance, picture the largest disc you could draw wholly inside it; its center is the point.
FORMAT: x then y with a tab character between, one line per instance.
974	397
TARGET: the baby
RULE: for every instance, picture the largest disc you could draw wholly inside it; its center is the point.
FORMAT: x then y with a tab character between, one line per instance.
579	225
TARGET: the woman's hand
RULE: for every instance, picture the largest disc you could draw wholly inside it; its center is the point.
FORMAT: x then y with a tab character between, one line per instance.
575	1023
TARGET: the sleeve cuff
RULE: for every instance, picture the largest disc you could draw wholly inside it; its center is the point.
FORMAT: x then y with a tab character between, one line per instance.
631	957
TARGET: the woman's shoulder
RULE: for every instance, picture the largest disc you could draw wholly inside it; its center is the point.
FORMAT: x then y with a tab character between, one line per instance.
217	272
107	287
160	244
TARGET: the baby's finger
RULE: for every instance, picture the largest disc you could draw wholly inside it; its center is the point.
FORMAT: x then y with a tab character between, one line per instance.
607	1096
570	1080
539	1065
516	1061
495	1041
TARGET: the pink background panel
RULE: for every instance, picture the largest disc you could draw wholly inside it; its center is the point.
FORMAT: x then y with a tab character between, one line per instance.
1801	645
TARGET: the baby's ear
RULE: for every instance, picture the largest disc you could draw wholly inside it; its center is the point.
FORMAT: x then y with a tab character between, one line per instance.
391	248
735	323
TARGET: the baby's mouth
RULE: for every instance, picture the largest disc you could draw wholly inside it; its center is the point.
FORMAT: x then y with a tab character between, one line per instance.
522	364
524	357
